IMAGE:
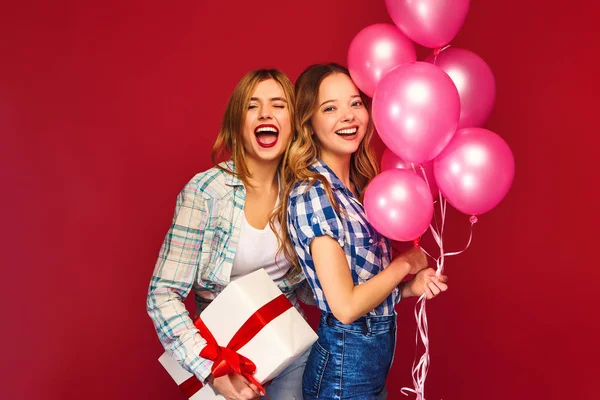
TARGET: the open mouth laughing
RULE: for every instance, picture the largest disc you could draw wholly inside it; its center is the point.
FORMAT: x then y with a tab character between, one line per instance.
266	135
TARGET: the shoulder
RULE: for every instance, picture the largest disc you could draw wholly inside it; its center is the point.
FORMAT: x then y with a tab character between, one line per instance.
307	189
210	184
309	196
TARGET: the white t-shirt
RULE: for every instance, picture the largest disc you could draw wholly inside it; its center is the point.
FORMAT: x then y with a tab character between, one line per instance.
257	249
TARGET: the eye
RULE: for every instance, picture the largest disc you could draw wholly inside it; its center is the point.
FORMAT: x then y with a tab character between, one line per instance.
252	106
329	109
279	105
357	103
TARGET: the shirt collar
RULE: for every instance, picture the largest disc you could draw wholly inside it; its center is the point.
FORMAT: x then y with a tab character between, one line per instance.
231	179
234	180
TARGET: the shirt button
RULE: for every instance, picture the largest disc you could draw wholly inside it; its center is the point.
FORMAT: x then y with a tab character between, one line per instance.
370	240
315	219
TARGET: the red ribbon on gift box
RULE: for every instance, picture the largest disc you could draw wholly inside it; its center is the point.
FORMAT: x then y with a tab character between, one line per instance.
226	358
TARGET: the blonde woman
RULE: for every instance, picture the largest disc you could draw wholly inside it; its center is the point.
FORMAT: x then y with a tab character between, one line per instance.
347	263
224	228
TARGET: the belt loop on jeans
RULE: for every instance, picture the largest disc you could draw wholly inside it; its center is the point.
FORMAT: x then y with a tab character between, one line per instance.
368	325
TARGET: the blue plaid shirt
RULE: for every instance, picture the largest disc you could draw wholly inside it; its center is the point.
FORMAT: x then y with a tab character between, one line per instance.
311	214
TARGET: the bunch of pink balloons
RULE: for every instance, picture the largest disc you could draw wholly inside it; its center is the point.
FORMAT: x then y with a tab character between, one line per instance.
429	115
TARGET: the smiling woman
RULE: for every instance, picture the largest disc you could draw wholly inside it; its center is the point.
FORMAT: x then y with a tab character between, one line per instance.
347	263
213	238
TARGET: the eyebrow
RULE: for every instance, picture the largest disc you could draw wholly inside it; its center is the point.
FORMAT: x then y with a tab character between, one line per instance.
329	101
271	99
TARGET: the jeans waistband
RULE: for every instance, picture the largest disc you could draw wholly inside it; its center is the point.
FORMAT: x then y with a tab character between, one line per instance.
367	324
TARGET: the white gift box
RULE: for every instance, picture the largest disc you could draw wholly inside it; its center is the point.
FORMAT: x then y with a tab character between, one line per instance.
272	349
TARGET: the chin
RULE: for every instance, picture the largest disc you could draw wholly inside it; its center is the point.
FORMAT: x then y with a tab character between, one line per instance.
352	149
270	156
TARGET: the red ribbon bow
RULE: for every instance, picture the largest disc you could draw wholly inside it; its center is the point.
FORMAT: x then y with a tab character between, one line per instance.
226	358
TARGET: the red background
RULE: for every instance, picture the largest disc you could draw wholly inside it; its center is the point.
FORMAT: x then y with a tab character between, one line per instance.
108	108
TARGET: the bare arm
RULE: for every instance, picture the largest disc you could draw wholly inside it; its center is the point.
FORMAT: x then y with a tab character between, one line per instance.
347	301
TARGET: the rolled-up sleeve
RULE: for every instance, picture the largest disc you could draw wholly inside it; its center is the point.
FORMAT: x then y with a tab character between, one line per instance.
312	214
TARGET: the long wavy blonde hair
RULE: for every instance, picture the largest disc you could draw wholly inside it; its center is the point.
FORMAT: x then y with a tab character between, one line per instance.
229	143
305	150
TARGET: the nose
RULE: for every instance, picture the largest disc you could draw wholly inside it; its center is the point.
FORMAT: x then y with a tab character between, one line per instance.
265	113
348	115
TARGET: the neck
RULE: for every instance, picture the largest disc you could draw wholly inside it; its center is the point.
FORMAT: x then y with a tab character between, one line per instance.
263	174
340	165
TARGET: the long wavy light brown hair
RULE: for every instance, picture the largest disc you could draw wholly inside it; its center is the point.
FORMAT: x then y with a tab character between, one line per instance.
305	148
229	143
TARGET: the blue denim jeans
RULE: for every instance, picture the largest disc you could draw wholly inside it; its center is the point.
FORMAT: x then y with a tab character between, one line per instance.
288	384
350	361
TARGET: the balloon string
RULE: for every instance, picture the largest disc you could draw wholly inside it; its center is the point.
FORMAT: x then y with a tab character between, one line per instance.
420	369
438	231
422	171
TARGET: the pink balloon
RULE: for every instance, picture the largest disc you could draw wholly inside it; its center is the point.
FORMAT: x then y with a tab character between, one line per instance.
431	23
389	160
475	83
374	51
475	171
398	204
415	110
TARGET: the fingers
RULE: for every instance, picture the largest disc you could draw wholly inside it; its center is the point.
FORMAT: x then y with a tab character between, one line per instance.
236	387
433	289
428	292
244	394
440	284
432	275
436	285
248	393
249	390
255	389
